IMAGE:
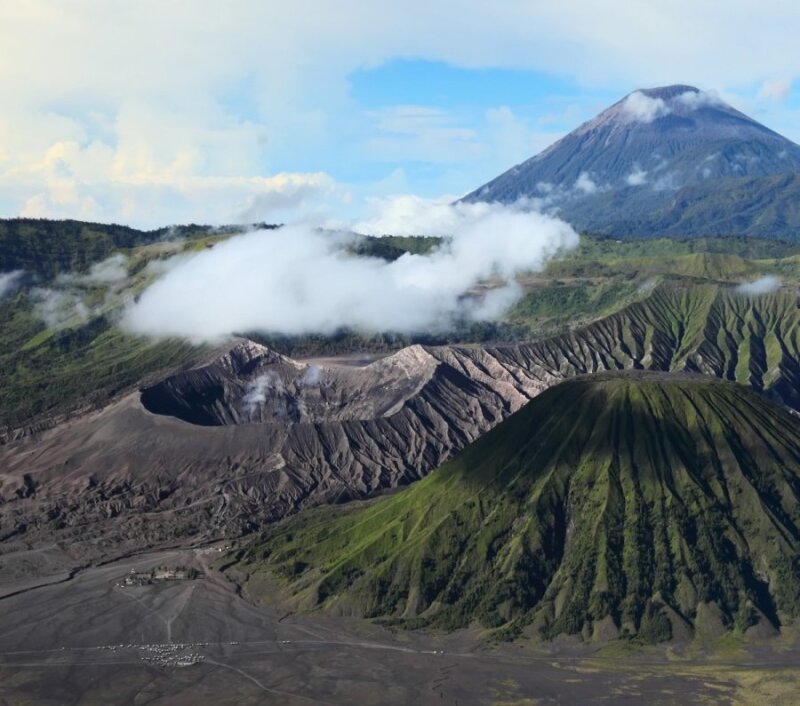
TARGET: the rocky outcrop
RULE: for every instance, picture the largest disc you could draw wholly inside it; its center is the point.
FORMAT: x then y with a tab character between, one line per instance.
252	384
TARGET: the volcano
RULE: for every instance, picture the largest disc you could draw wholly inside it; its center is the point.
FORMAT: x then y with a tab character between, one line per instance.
637	504
664	161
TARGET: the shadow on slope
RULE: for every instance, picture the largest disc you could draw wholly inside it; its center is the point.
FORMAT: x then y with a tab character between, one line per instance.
633	504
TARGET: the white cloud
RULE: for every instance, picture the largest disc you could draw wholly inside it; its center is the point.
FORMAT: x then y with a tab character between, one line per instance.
127	183
9	281
698	99
58	307
112	270
407	214
585	184
637	177
775	89
153	48
763	285
171	110
640	107
644	109
64	302
284	195
299	279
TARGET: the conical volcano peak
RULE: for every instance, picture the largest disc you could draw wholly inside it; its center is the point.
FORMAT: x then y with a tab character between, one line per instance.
634	167
679	98
647	105
623	504
668	92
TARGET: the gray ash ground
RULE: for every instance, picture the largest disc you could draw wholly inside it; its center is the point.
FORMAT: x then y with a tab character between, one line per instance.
86	640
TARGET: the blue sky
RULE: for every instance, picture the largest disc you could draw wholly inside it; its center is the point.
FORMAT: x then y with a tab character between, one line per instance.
151	113
435	83
462	109
434	128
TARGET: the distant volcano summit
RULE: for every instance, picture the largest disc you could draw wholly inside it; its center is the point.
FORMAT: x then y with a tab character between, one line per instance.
664	161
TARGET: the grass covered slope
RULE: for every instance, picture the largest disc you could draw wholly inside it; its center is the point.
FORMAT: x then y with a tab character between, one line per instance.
52	373
45	247
624	503
682	327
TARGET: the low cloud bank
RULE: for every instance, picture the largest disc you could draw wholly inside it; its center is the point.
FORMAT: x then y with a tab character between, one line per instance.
9	281
111	271
60	307
299	279
65	302
407	214
763	285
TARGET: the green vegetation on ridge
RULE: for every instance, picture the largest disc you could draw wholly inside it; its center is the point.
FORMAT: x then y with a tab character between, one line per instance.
48	247
635	504
608	285
47	372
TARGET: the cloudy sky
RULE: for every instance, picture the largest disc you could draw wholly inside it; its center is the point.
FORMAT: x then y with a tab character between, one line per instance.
165	111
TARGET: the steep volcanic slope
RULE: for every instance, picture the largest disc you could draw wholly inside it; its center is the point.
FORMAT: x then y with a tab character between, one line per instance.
699	328
670	160
126	477
644	503
255	436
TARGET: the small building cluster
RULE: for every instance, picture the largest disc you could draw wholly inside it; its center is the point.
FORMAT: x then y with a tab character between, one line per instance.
167	654
157	575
